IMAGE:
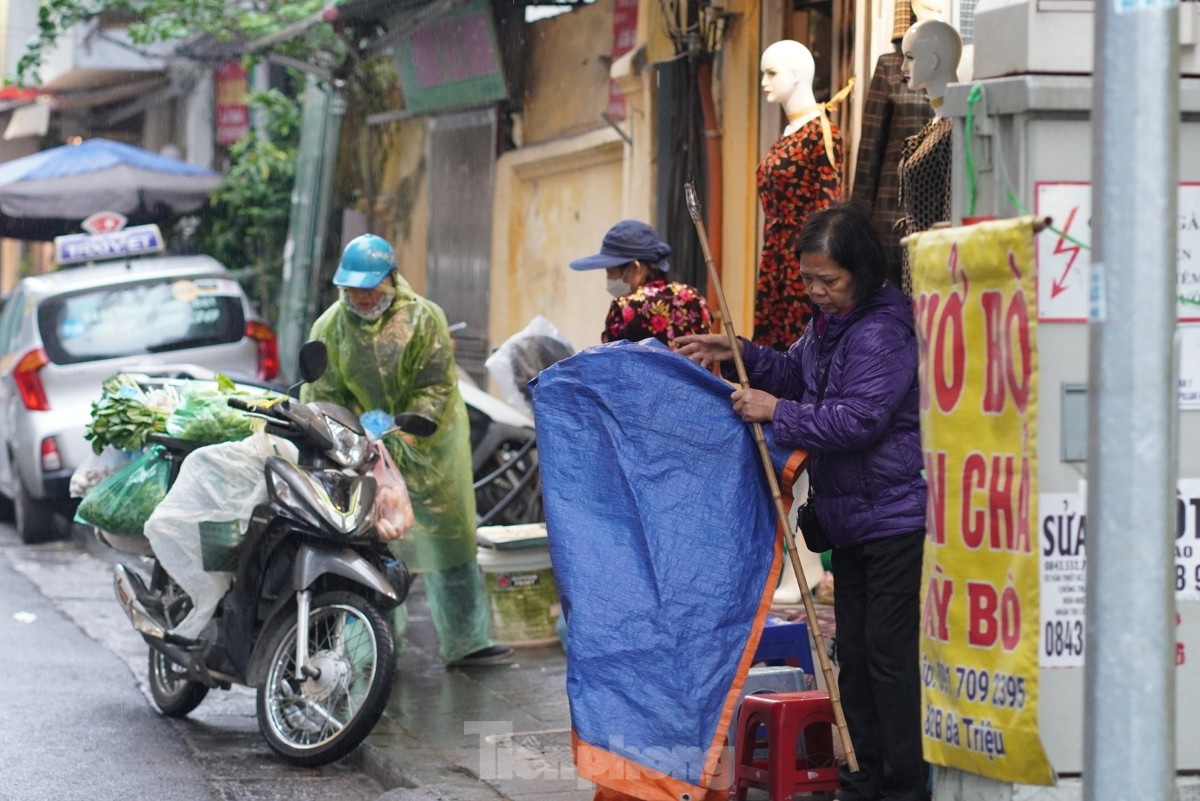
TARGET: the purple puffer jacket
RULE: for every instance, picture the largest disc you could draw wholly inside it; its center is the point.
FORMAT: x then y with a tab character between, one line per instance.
864	435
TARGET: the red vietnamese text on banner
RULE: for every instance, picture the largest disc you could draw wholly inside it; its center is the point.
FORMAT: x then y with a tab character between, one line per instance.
974	290
233	112
624	38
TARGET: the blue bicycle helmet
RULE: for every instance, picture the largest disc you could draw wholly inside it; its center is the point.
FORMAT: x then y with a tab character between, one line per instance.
366	261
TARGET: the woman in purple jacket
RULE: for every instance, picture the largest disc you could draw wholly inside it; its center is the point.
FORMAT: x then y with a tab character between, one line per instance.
847	392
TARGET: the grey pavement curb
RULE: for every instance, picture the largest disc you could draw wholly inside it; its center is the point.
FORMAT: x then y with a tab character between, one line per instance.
375	763
438	780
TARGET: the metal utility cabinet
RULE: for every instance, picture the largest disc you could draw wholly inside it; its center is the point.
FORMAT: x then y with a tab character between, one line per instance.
1027	133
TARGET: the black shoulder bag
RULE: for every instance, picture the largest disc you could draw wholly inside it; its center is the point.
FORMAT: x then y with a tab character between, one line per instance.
806	516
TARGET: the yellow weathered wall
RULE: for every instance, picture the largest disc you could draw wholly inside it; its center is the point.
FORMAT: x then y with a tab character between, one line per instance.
557	194
553	204
567	73
737	82
401	210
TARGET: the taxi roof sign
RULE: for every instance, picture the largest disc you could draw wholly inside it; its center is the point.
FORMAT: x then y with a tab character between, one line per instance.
139	240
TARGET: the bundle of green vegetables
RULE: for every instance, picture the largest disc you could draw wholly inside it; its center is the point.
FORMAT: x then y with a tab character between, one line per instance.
125	414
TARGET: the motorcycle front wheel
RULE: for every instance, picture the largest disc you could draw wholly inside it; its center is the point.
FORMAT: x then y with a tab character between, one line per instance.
174	694
320	717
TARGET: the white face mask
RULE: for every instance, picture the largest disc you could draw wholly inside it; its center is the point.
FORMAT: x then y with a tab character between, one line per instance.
617	287
375	312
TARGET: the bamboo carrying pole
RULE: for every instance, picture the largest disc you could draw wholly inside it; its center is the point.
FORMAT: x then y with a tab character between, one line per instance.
810	610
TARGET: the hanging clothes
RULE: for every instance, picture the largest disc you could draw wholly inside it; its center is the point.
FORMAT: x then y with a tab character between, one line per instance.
925	181
796	177
891	114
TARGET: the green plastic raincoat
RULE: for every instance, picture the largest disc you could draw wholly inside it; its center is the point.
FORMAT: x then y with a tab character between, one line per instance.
404	362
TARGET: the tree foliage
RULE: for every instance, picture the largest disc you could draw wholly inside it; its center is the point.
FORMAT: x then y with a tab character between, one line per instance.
166	20
245	224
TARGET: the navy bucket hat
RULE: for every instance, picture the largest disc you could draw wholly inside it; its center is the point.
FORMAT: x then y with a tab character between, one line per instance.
627	241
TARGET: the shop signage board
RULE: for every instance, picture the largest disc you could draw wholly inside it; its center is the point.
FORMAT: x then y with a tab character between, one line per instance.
452	61
974	296
1064	262
233	105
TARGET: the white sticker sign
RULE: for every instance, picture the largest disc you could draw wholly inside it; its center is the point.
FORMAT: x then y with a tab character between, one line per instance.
1065	283
1062	549
1189	367
1063	578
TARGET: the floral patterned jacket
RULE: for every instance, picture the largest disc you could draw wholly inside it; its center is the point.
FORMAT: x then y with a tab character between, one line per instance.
660	310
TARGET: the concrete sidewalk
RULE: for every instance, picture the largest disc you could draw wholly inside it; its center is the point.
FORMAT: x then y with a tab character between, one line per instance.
482	733
474	734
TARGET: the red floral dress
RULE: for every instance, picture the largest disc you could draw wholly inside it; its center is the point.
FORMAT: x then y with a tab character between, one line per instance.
659	310
795	179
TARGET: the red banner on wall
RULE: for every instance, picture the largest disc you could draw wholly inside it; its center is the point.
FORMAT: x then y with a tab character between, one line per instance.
233	112
624	37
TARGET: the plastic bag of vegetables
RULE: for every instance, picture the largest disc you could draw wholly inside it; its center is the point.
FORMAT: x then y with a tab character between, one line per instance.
123	502
205	416
97	467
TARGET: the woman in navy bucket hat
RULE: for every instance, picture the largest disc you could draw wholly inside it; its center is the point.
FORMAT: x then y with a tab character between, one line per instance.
646	303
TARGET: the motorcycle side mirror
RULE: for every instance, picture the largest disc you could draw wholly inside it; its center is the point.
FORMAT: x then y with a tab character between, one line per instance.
314	358
416	424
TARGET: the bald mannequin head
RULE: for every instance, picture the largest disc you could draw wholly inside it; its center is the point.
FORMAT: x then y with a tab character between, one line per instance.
787	75
932	50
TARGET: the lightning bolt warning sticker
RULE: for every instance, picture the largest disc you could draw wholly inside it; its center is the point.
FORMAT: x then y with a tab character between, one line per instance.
1065	286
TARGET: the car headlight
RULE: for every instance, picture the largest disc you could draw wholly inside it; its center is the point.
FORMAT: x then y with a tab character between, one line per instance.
349	446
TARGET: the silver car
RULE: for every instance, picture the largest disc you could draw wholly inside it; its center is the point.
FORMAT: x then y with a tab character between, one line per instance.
63	333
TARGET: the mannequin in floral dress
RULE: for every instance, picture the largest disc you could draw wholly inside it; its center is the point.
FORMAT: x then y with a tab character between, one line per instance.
932	50
800	174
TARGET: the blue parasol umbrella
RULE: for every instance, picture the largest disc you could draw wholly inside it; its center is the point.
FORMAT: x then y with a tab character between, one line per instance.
50	193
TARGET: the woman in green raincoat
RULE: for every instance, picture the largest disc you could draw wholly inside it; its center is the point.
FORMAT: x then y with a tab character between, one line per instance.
390	350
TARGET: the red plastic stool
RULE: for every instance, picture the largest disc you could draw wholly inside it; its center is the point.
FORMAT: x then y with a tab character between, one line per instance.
798	729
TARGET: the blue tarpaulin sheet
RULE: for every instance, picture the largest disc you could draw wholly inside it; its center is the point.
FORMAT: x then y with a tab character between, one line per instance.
662	535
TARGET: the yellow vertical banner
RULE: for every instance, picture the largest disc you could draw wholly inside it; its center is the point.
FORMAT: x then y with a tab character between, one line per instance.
975	296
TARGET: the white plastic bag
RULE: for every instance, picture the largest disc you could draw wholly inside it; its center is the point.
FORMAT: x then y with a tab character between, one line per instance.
522	356
209	506
393	507
97	467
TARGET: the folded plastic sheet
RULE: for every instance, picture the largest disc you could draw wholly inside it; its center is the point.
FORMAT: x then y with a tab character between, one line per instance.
662	536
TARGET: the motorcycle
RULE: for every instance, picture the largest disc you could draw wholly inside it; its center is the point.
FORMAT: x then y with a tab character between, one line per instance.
305	622
508	485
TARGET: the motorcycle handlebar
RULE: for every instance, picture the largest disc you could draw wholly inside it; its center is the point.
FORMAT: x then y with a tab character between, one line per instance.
275	425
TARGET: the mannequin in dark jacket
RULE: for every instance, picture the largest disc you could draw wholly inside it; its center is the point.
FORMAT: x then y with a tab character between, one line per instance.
847	392
892	112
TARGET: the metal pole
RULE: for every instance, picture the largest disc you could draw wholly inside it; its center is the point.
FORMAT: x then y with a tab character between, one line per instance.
1129	716
299	255
334	114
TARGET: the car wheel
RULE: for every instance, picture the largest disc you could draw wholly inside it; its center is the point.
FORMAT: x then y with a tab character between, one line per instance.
33	517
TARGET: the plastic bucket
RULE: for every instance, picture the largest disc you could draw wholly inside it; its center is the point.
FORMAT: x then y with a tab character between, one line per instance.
521	593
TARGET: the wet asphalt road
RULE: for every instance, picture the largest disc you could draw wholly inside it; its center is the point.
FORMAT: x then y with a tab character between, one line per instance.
78	723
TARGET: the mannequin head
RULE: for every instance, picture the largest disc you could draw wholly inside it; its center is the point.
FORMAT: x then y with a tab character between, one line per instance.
787	75
927	9
931	51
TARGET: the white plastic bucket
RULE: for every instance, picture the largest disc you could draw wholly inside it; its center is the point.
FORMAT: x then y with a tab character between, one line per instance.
519	582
